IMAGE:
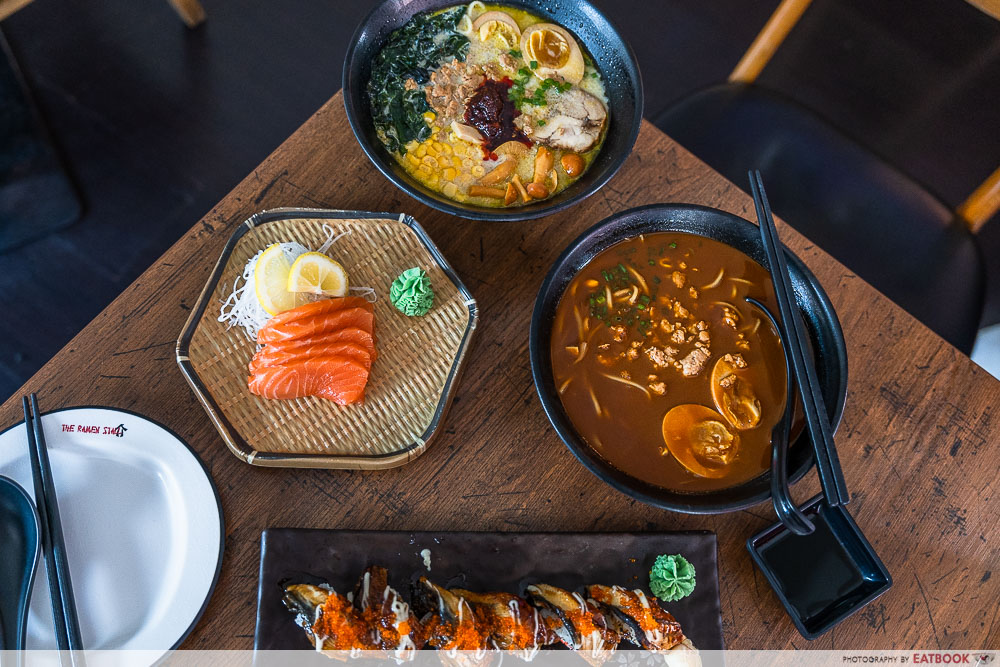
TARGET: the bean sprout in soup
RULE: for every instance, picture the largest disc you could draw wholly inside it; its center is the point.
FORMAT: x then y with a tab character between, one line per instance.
488	105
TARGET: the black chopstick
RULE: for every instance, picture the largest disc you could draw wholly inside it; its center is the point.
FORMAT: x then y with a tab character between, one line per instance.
64	617
827	462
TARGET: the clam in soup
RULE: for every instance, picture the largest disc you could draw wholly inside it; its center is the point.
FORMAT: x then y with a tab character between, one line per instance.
662	366
488	105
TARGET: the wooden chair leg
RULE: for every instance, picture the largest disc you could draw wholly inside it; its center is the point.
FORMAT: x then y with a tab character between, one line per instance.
190	11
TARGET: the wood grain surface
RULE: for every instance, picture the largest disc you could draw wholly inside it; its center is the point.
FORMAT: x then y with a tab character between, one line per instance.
919	441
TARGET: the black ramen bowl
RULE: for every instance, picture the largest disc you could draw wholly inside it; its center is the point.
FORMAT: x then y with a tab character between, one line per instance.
596	35
821	323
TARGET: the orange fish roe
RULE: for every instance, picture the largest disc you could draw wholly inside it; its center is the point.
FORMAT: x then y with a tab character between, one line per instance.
513	632
583	621
340	627
467	635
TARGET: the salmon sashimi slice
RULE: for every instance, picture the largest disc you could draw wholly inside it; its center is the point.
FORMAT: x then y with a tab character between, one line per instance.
317	308
337	378
320	325
350	343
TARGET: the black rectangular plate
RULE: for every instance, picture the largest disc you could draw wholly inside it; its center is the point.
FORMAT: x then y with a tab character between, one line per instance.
481	562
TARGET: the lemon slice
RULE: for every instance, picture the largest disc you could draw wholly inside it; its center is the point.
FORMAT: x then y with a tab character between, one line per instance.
498	24
315	273
270	279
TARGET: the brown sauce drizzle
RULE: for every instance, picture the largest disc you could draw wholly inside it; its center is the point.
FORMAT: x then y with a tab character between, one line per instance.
492	112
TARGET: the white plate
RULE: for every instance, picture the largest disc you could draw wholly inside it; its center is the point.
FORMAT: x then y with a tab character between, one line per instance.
142	524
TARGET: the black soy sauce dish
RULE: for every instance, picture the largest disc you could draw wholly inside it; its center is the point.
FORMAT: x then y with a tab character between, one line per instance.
824	577
597	36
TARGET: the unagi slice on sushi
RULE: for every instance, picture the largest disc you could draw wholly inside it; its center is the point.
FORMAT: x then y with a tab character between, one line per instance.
638	617
338	378
328	618
514	624
577	623
452	626
395	627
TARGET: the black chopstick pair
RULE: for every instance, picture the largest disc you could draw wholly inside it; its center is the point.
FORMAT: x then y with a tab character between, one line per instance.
64	618
831	475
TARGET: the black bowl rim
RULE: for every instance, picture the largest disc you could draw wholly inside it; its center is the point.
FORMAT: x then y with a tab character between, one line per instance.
689	503
530	212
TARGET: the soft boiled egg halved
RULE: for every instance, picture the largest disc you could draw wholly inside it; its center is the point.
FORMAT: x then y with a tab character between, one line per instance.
500	25
555	51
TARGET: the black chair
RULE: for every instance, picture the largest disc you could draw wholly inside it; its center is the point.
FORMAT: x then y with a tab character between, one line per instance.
873	218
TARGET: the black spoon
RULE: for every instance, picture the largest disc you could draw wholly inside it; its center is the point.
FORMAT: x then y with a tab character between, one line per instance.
19	552
786	509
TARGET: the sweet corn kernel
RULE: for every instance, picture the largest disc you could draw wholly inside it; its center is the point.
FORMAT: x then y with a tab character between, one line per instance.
450	174
424	169
412	159
478	171
432	151
421	150
467	163
446	149
438	146
449	189
457	161
430	162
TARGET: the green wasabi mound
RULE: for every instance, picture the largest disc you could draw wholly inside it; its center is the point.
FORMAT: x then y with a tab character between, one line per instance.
411	292
672	578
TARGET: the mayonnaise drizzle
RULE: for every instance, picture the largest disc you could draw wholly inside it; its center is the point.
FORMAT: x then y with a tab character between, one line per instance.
317	638
365	585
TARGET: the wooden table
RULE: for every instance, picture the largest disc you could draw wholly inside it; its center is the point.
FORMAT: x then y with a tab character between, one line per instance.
920	438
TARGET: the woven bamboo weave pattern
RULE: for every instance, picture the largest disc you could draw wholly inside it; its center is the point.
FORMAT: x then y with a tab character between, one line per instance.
415	354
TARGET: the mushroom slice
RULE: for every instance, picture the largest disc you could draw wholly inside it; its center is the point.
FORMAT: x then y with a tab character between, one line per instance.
466	132
733	394
498	174
700	439
514	149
